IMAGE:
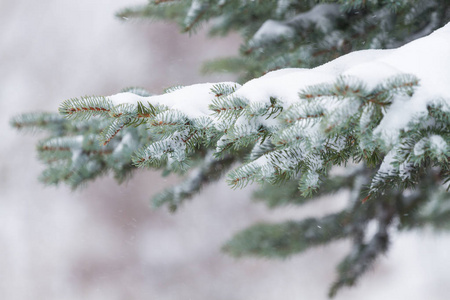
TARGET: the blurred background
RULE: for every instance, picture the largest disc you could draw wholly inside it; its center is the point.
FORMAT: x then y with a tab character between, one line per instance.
104	241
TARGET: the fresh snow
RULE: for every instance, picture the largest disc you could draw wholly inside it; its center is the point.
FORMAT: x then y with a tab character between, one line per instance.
435	143
126	140
438	144
77	149
272	30
320	16
192	100
419	147
126	98
386	167
427	58
195	7
312	179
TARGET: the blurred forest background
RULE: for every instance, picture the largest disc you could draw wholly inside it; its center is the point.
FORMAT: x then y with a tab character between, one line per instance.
104	241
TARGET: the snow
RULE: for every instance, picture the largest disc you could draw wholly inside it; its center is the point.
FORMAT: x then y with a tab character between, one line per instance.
126	140
125	98
282	84
371	66
386	167
428	59
366	116
320	16
371	230
438	144
348	61
193	10
285	84
312	179
78	139
419	147
192	100
399	114
77	149
378	72
435	143
271	30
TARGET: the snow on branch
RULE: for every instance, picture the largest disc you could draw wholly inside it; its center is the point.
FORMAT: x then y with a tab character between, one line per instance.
320	16
366	103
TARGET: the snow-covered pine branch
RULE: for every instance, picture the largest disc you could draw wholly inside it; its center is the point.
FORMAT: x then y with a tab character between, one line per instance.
360	106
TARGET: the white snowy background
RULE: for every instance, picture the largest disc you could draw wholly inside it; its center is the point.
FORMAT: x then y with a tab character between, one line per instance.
105	242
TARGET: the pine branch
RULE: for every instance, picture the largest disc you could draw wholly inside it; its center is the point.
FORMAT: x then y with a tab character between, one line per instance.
365	253
39	120
85	107
209	171
227	108
283	240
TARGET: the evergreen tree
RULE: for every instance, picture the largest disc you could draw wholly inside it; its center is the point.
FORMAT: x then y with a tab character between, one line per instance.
374	122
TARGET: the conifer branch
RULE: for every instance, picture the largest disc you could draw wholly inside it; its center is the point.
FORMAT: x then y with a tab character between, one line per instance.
41	120
226	107
85	107
209	171
288	238
195	13
365	253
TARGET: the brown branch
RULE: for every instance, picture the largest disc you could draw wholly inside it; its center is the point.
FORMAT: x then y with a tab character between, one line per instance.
189	27
219	110
304	118
90	108
114	134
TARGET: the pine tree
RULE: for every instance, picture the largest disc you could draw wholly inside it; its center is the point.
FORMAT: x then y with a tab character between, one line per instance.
324	114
